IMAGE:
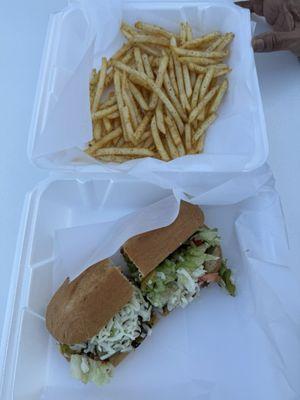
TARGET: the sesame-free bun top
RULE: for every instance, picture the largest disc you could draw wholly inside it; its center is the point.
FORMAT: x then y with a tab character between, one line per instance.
82	307
149	249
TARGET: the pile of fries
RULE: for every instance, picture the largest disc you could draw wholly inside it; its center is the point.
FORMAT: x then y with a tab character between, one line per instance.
158	95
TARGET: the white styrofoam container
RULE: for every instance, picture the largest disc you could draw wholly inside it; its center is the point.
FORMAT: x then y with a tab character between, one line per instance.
247	330
242	149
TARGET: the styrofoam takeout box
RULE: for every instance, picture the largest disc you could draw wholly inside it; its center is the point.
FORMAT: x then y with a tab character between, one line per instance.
218	348
61	124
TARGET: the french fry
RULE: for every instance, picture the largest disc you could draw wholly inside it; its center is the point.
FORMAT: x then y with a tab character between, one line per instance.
109	102
188	137
198	42
104	112
204	126
207	98
172	76
100	85
180	83
143	79
107	125
147	66
138	96
172	148
128	29
114	115
214	45
160	118
175	134
138	59
148	142
189	32
221	72
157	140
228	38
112	158
198	53
172	96
207	81
187	80
121	142
150	50
125	151
120	53
148	39
128	125
197	68
143	125
106	139
193	78
196	91
197	60
182	33
98	131
219	97
159	80
120	101
200	145
153	29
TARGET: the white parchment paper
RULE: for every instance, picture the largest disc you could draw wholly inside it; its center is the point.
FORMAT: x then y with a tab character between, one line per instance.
90	29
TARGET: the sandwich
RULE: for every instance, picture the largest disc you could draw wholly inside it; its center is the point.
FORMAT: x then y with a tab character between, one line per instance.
97	319
171	265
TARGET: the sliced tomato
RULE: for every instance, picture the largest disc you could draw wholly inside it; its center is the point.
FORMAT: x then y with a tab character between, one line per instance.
198	242
212	277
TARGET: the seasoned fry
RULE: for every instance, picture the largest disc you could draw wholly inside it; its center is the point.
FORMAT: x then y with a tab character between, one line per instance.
219	97
172	76
182	33
172	148
138	96
196	91
196	43
187	80
175	134
171	93
148	39
106	139
138	59
100	84
150	50
160	118
120	53
107	125
104	112
147	66
159	80
157	140
204	126
188	137
143	125
153	29
150	84
197	53
198	60
158	94
196	111
114	115
128	125
125	151
207	81
98	131
179	76
228	38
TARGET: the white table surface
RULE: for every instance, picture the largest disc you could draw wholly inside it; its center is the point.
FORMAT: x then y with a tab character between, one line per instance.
22	30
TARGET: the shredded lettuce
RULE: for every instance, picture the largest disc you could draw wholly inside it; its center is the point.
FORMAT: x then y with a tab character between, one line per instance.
226	279
175	282
121	331
87	370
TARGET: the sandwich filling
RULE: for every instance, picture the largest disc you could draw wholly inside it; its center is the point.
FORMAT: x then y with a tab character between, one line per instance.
124	332
179	278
